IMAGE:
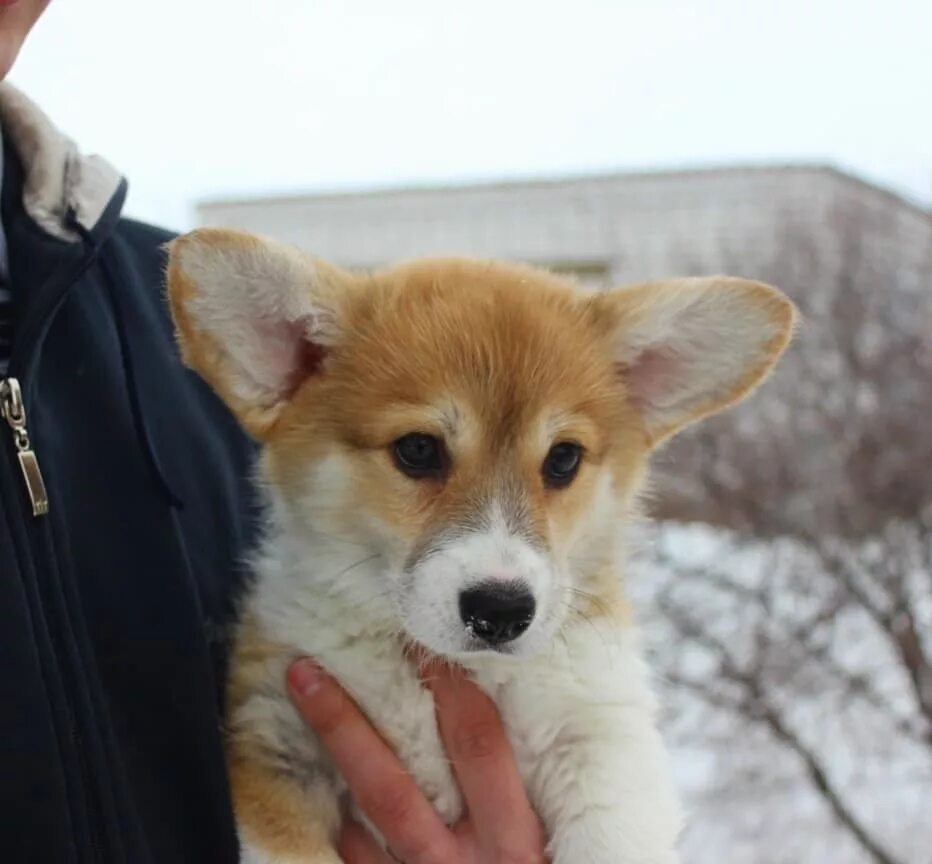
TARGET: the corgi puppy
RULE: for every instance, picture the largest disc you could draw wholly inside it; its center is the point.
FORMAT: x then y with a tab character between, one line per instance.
452	452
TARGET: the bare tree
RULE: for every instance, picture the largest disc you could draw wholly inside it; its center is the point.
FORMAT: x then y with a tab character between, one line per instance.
799	654
836	438
822	647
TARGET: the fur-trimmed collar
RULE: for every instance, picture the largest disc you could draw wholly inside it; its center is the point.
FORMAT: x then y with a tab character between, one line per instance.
58	178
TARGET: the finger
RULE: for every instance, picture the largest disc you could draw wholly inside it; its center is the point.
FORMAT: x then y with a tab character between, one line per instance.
483	761
378	782
356	846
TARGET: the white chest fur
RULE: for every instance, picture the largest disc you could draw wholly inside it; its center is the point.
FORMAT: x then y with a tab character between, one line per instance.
580	716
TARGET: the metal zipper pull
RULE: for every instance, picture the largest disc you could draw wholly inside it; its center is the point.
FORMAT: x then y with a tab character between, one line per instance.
11	406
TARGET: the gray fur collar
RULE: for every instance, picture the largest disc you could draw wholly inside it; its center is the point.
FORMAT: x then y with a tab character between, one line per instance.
58	177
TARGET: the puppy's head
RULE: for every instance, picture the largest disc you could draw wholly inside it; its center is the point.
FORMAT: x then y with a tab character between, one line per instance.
479	429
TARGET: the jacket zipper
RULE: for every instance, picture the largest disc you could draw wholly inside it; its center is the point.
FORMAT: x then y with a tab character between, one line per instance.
14	412
13	392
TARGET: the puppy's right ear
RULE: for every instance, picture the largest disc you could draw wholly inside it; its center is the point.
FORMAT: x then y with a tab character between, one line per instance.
253	317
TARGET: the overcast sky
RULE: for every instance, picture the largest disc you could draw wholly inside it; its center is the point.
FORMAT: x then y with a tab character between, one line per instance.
195	98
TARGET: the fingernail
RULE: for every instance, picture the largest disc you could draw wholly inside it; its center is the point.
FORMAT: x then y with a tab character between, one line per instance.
305	677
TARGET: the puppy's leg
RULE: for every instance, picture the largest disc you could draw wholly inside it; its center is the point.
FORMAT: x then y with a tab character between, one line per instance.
582	723
386	687
286	795
281	821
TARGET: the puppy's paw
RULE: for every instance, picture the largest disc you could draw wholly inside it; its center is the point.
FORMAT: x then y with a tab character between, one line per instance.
446	799
431	769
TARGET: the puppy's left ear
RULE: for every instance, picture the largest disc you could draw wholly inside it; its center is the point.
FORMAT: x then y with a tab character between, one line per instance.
687	348
254	317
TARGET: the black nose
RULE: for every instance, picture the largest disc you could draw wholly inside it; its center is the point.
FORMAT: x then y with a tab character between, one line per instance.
497	612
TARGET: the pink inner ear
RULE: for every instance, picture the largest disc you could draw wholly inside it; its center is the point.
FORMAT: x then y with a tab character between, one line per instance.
310	358
652	374
306	356
284	356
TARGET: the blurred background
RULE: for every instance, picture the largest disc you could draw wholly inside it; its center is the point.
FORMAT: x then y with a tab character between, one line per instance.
786	583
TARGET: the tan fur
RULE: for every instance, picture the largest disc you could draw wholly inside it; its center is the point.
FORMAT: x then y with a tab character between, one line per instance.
280	816
422	335
199	347
499	361
619	310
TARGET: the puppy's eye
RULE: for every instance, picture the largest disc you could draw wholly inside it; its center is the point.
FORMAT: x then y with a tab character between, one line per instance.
419	455
561	464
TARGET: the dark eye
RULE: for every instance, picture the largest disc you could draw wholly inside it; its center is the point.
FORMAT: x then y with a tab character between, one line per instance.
561	464
419	455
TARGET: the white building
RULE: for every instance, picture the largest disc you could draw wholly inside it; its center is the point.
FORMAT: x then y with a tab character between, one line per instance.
617	227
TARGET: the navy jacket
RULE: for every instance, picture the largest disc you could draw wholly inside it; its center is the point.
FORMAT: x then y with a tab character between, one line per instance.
115	605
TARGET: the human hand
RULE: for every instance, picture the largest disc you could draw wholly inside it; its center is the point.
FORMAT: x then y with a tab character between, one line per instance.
499	827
